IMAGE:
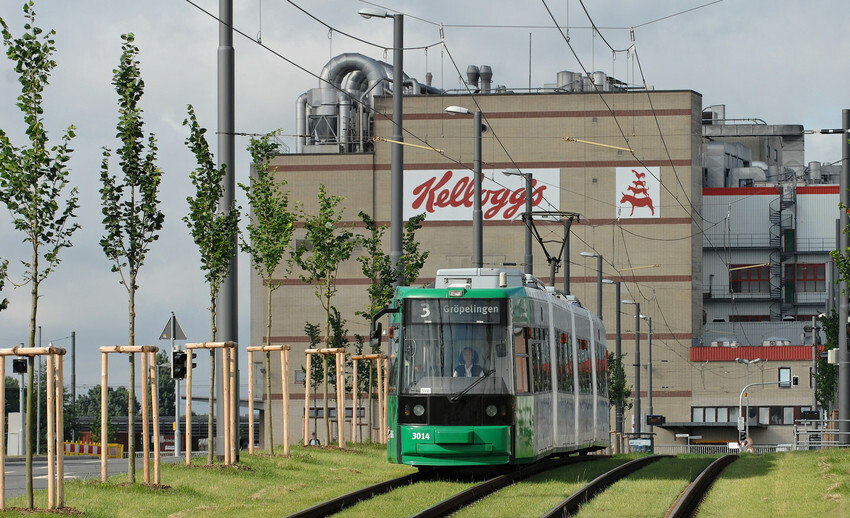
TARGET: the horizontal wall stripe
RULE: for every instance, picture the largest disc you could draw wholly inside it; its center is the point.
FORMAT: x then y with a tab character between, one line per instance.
361	281
558	114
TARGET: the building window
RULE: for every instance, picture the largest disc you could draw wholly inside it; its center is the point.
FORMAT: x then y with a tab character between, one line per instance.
806	277
696	415
749	278
784	377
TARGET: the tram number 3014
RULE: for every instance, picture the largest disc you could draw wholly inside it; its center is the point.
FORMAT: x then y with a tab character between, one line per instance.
421	436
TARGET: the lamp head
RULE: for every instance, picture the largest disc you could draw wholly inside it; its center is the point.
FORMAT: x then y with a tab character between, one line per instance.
628	301
588	254
608	281
458	110
371	12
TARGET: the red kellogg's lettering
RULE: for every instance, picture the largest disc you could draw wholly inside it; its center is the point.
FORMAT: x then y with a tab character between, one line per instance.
434	194
426	191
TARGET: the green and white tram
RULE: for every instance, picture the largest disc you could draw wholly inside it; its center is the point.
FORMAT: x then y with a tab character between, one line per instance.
490	367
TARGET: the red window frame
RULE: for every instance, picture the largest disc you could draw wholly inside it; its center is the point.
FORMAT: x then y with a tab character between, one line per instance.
749	278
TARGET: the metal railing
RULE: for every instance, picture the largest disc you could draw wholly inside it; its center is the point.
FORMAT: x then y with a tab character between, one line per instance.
818	433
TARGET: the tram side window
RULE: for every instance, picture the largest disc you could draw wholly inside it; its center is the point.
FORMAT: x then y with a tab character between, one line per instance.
565	364
585	375
521	361
541	365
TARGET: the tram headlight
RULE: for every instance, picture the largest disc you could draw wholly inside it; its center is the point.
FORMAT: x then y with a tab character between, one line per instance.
418	410
491	410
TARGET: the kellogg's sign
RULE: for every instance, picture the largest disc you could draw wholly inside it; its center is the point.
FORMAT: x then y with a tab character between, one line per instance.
447	194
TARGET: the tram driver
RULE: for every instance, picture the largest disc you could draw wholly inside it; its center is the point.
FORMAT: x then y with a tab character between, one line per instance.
468	365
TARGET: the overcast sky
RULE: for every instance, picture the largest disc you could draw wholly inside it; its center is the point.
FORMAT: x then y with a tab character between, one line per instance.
779	61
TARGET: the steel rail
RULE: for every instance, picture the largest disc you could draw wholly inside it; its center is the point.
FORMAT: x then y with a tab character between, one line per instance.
572	504
492	485
339	503
689	501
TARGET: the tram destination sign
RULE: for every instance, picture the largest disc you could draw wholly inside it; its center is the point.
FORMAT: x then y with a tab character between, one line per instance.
456	311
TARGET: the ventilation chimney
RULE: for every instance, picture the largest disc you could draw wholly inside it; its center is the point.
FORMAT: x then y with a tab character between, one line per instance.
472	75
486	76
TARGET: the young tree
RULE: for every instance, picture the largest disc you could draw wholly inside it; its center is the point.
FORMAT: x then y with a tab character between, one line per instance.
269	234
619	391
34	182
214	231
376	265
826	376
329	245
131	218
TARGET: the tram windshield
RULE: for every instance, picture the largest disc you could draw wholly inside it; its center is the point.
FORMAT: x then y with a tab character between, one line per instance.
450	343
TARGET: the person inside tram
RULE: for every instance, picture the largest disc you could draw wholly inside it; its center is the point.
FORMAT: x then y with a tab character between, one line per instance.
468	364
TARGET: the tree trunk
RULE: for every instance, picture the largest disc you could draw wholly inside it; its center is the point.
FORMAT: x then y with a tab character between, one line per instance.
211	416
31	377
268	359
131	414
269	434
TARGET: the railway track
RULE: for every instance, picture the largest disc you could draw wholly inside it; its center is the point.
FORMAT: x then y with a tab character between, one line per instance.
451	504
685	506
688	503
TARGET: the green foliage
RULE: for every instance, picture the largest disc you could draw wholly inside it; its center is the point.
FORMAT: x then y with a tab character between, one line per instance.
326	246
4	303
34	180
272	223
130	215
619	392
826	377
213	230
376	265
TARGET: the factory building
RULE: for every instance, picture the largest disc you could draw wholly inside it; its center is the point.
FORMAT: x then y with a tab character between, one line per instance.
646	174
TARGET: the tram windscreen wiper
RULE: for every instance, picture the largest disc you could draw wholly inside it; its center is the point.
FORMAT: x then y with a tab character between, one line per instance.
472	385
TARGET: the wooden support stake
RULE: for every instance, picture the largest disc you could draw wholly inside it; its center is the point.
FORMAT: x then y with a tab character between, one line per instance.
381	420
250	401
284	390
386	362
104	363
155	415
3	435
51	437
354	394
225	393
234	407
60	436
307	383
189	406
146	433
340	399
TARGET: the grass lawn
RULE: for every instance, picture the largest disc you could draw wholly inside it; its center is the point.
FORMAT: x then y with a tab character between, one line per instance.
794	484
650	491
262	486
536	495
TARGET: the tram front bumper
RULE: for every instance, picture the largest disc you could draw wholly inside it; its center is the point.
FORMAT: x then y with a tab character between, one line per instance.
455	445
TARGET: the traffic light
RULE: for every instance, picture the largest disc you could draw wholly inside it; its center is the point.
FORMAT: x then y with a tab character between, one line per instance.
19	365
178	365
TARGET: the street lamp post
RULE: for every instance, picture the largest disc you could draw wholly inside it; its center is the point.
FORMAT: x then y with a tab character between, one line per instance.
618	352
637	364
649	368
598	280
397	156
477	214
529	258
747	363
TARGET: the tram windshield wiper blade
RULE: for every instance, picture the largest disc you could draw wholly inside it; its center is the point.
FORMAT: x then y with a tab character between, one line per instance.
472	385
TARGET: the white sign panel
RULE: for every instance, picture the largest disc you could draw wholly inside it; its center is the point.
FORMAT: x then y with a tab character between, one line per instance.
446	194
638	192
